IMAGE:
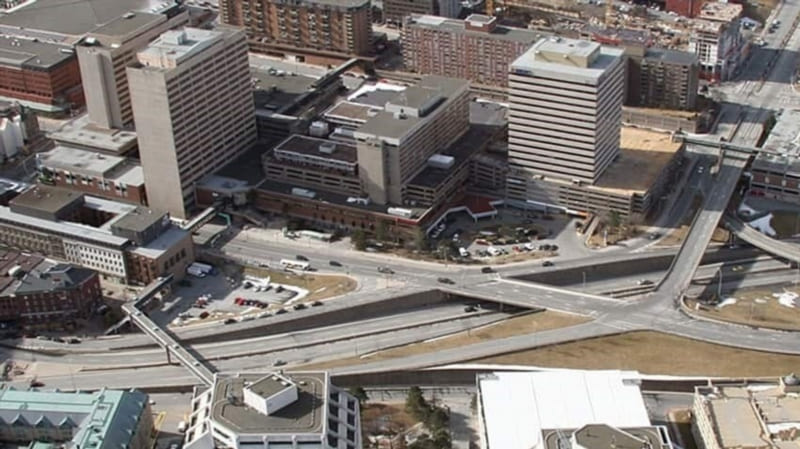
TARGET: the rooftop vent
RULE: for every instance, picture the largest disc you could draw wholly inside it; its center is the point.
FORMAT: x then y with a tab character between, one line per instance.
327	147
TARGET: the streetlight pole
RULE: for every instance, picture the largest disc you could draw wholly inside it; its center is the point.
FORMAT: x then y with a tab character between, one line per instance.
719	286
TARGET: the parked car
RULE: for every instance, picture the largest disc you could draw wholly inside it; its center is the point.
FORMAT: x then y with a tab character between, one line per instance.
301	258
229	321
547	263
487	270
444	280
335	263
645	282
385	270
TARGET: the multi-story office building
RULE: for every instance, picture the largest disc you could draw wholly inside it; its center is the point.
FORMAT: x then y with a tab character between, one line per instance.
122	241
314	30
388	154
36	291
272	411
565	108
776	171
395	11
193	105
41	75
112	177
716	39
664	79
103	55
477	49
102	419
394	144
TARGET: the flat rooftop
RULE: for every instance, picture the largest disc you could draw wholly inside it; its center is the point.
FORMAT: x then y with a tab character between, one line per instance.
75	17
350	111
670	56
784	144
622	35
473	140
174	47
442	24
18	52
82	133
518	406
270	384
127	24
164	242
570	59
278	91
741	412
79	161
138	219
644	155
311	146
301	416
601	436
63	228
385	124
46	198
377	94
721	12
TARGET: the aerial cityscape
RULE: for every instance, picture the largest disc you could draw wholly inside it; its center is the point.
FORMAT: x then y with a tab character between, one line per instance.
421	224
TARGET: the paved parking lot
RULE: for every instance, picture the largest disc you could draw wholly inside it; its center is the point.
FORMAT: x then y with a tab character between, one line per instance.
546	237
219	294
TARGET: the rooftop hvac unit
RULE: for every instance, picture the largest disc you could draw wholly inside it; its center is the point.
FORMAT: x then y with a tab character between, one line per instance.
441	161
400	212
327	147
319	128
305	193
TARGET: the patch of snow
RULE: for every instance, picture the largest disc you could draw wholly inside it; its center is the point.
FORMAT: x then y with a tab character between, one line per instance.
726	302
744	209
786	299
763	226
760	301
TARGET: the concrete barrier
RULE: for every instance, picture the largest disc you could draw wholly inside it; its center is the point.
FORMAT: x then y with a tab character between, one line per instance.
594	272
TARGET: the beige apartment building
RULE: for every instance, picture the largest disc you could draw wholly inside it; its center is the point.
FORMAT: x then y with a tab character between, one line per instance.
193	105
396	143
103	56
565	109
306	29
476	48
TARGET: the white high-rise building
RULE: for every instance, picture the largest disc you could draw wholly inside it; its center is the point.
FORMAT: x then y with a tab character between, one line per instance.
565	110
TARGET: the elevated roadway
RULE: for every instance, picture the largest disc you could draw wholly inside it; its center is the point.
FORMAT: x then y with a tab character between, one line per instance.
164	337
782	249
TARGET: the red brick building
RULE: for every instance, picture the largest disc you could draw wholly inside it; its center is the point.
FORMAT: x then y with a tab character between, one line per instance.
316	31
46	76
35	291
685	8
